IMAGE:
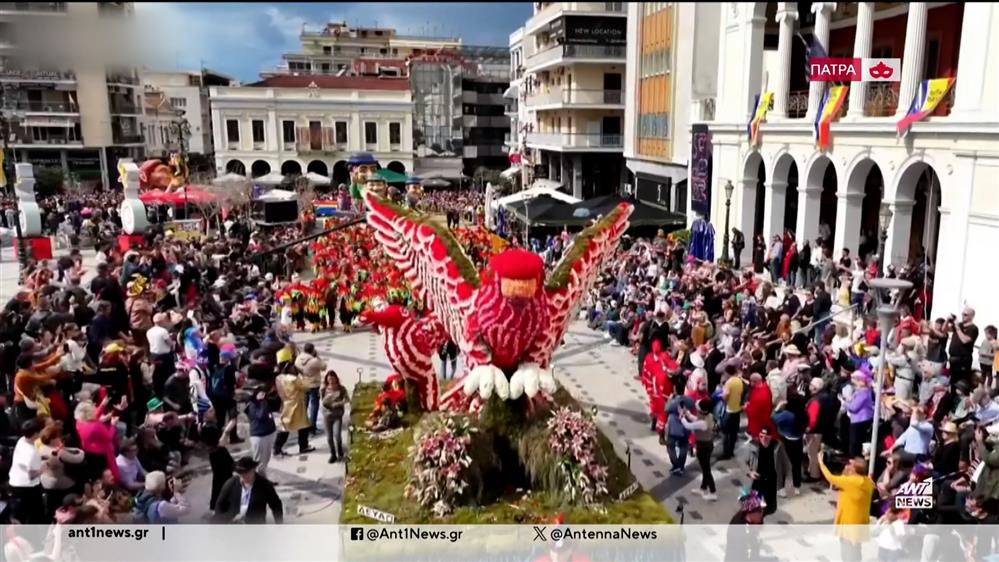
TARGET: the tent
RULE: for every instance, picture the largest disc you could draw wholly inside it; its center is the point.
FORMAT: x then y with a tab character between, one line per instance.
273	178
390	176
540	210
510	172
278	195
229	178
536	192
546	184
644	213
317	179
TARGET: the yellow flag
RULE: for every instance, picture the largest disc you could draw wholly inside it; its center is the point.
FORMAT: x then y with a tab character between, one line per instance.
3	169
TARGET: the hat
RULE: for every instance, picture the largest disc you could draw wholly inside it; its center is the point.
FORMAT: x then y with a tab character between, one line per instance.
153	403
792	350
862	376
245	464
704	406
949	427
113	347
269	276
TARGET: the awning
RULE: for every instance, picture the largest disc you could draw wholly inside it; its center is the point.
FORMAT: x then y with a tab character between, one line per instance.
546	184
540	210
535	192
277	195
317	179
510	172
229	178
511	92
273	178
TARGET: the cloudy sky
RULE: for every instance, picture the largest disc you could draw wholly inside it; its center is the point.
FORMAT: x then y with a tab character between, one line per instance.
242	39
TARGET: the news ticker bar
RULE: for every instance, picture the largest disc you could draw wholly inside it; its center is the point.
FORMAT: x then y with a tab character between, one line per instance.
597	543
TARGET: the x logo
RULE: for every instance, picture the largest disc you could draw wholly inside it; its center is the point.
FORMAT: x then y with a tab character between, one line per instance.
539	534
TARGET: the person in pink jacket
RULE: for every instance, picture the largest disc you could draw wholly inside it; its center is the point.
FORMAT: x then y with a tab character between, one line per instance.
98	437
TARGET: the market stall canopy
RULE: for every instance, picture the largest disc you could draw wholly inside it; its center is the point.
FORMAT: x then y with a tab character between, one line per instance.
546	184
643	215
510	172
435	182
540	210
391	176
273	178
317	179
278	195
229	178
537	192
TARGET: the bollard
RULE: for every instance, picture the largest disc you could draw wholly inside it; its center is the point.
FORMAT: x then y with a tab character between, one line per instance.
627	451
360	371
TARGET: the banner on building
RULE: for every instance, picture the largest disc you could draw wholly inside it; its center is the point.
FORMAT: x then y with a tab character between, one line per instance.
591	30
928	97
759	114
700	169
832	102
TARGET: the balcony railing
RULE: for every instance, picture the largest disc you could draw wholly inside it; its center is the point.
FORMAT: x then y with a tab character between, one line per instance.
600	52
881	99
55	136
797	104
578	97
123	108
37	75
43	107
122	78
546	13
319	140
576	140
127	138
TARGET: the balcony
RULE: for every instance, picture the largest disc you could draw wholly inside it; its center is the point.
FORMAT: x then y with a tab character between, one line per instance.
558	54
574	97
39	135
797	104
482	150
486	121
559	141
19	75
124	108
126	138
556	9
33	7
122	78
315	140
30	107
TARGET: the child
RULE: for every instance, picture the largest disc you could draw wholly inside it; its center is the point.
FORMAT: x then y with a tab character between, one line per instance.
891	533
986	353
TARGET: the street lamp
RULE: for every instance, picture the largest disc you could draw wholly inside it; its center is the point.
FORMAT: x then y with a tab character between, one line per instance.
884	221
729	188
887	313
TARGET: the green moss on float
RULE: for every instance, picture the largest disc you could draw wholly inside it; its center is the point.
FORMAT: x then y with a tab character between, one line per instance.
559	278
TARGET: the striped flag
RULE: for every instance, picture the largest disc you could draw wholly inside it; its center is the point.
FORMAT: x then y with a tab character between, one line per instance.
928	97
759	114
831	104
813	49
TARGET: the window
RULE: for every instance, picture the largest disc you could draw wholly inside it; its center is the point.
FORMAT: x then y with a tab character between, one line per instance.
288	131
395	133
178	103
327	50
258	130
371	133
341	132
232	130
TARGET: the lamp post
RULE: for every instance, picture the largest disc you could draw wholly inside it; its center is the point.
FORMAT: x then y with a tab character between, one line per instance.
729	188
884	221
887	313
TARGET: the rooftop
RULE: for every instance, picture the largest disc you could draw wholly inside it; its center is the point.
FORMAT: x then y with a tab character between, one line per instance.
333	82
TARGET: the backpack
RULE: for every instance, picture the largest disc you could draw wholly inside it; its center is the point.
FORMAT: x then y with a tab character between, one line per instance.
216	383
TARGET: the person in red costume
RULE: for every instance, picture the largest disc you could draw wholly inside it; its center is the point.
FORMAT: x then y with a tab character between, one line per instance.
655	378
562	550
760	407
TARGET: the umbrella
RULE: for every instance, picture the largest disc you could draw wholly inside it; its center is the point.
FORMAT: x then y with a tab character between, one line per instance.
273	178
436	182
229	178
317	179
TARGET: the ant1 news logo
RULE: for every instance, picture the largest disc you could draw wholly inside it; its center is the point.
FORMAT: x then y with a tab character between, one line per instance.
854	70
915	495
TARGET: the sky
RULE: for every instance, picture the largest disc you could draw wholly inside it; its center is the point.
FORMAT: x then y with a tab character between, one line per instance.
241	39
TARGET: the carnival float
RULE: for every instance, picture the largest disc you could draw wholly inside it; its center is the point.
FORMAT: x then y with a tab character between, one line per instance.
503	443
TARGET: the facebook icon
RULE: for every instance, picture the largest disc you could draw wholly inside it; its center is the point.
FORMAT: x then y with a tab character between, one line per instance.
356	534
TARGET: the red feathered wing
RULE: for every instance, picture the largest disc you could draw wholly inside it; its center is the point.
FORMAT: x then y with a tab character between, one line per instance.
431	259
574	275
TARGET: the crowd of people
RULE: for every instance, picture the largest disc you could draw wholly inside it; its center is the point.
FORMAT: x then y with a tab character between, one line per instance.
717	347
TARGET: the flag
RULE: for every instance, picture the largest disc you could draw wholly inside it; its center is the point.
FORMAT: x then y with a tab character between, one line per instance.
928	97
3	171
812	50
759	114
832	102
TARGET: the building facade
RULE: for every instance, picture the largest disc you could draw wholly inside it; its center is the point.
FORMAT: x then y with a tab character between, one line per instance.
66	113
574	59
939	181
161	123
663	72
483	121
300	124
187	92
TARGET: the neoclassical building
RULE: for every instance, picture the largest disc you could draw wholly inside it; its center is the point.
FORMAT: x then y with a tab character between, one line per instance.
941	180
312	123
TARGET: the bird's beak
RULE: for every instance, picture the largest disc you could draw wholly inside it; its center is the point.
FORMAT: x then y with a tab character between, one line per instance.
518	289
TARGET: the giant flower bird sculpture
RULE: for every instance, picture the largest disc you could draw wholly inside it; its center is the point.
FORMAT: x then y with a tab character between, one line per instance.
507	319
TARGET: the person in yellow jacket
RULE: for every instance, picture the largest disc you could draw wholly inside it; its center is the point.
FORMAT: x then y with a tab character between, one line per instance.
291	389
853	508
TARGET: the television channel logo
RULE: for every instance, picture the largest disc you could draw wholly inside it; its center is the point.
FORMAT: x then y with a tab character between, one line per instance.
915	495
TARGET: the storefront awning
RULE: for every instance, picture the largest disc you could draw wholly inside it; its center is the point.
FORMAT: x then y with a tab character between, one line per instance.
511	92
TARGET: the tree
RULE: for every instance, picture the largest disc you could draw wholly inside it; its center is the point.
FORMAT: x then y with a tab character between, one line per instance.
49	180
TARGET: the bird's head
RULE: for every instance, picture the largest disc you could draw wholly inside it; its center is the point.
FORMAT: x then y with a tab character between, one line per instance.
386	316
519	273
